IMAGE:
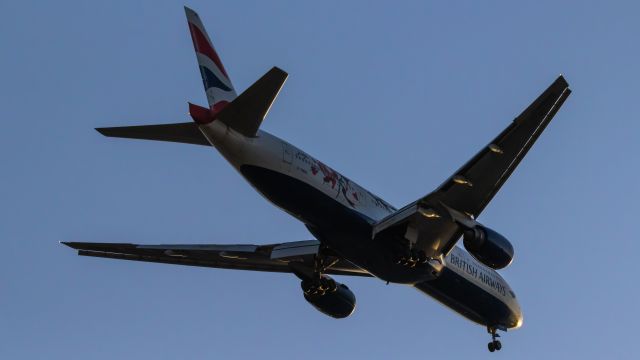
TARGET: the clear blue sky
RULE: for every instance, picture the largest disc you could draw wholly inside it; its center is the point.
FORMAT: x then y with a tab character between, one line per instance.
395	96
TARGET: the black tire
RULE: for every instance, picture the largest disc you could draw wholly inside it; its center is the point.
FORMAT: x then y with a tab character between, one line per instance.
491	346
306	286
333	287
498	345
422	256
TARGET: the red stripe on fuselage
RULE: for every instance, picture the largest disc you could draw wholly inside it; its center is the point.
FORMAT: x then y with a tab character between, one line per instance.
201	44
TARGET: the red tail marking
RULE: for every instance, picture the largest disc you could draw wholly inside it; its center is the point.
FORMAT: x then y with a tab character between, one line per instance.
201	115
201	44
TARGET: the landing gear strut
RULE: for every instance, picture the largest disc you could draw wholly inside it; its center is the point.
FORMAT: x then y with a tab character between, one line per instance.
320	284
494	345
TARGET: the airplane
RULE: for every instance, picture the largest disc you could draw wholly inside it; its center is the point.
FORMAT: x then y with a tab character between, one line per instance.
356	232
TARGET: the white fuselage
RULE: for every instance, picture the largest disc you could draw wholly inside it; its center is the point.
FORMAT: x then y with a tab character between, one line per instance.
269	152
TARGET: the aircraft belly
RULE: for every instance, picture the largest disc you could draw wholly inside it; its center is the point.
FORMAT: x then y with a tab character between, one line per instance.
343	229
270	152
304	201
469	300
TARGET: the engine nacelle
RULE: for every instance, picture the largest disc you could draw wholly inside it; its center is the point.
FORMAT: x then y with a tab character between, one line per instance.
330	297
488	247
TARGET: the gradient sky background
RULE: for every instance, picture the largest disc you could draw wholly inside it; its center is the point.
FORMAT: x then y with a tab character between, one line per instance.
395	96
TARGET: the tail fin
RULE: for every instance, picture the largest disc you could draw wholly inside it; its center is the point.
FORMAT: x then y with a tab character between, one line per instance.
216	82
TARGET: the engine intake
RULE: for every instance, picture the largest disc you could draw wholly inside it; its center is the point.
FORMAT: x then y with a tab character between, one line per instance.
330	297
488	247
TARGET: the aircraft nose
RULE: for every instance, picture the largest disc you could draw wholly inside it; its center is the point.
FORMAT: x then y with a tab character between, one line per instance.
516	315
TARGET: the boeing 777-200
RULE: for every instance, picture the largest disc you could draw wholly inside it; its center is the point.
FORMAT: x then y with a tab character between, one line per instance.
357	233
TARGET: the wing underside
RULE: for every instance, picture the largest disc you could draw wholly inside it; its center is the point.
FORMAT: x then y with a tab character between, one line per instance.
271	258
433	222
471	188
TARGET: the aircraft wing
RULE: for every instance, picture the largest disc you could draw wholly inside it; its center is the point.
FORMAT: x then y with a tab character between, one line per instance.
435	218
285	257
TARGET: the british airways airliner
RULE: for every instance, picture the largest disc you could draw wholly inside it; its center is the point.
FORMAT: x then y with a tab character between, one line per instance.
356	232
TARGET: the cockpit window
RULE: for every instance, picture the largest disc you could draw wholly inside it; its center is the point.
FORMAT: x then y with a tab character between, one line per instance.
512	294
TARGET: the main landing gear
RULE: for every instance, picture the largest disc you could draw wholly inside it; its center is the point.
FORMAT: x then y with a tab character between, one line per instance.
494	345
411	258
320	284
319	287
405	255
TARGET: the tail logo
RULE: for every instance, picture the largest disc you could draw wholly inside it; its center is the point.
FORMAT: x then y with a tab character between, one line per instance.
209	79
202	45
215	79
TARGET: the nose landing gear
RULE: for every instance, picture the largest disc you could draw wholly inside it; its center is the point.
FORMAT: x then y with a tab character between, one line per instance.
494	345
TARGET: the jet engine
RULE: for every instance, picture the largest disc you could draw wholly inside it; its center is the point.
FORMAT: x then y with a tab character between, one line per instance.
488	247
329	297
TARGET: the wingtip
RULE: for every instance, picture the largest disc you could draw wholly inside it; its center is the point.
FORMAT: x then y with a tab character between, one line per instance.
562	80
67	243
284	73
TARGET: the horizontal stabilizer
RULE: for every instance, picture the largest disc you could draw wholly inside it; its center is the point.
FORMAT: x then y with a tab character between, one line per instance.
246	112
187	133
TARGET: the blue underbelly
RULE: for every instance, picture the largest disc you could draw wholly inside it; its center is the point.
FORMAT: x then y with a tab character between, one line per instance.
469	300
308	204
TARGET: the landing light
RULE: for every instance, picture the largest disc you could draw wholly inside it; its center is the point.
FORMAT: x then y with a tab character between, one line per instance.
429	213
174	254
459	179
227	255
495	148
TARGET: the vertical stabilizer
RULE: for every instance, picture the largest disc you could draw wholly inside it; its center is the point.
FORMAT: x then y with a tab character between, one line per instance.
217	84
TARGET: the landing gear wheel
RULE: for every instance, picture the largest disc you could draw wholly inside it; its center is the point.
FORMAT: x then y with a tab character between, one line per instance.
318	284
328	284
494	345
309	288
